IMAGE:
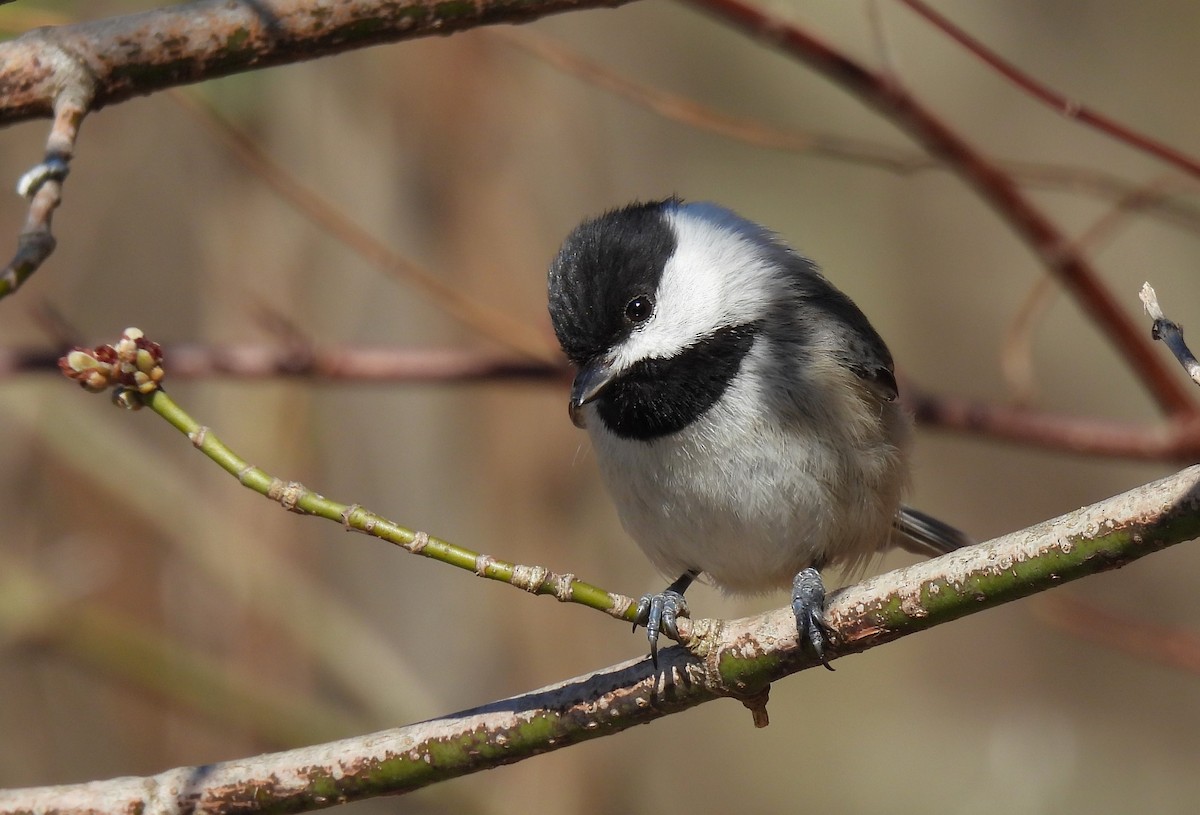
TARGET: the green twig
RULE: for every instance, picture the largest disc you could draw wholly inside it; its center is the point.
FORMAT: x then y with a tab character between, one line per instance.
132	367
294	496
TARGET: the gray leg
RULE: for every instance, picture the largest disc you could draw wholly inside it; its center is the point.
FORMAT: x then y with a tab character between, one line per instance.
808	604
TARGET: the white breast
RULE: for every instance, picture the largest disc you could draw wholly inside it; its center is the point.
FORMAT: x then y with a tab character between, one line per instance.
751	496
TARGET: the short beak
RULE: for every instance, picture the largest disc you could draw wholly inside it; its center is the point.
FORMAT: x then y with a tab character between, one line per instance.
590	382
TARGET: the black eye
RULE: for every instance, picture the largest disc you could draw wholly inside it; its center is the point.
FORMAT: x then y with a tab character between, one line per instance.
639	309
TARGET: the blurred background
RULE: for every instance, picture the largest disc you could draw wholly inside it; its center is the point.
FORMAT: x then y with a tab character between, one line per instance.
153	613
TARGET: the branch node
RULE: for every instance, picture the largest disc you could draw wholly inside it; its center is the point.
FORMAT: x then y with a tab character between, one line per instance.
289	495
75	88
562	587
346	513
483	563
418	543
274	489
529	578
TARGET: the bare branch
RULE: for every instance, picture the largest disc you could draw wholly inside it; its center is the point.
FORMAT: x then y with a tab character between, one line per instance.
736	658
43	183
1081	435
141	53
995	186
350	363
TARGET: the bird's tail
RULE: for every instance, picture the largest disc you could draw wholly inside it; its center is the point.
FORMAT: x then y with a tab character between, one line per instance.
926	535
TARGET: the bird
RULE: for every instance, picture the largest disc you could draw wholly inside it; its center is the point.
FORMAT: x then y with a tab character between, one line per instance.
742	410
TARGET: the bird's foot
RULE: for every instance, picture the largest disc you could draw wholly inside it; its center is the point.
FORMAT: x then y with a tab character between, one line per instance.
808	604
659	613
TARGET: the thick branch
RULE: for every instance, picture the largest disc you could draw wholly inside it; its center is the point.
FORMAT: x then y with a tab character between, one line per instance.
732	658
140	53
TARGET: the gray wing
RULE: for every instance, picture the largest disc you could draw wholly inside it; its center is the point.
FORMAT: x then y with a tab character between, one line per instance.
855	342
857	345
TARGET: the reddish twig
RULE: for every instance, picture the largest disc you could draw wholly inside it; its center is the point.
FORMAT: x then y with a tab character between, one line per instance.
362	364
1177	440
344	364
996	187
1174	441
1061	103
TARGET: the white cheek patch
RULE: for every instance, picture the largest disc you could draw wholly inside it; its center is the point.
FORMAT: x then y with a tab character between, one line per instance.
717	277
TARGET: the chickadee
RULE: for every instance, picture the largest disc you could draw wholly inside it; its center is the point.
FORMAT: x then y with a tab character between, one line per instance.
742	409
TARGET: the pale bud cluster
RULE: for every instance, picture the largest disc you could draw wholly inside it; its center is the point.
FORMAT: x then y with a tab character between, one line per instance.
132	363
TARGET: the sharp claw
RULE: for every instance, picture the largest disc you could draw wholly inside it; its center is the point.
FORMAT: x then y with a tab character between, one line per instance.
808	604
643	612
673	606
653	625
660	614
